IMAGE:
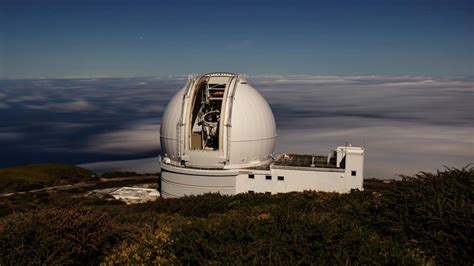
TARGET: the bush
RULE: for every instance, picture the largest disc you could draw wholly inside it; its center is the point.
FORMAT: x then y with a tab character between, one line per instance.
148	245
57	236
433	213
278	238
424	219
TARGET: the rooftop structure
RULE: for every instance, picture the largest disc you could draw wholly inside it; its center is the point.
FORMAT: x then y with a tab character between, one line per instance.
303	160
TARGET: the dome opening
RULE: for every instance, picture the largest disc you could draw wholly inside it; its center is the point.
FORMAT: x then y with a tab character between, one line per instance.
206	113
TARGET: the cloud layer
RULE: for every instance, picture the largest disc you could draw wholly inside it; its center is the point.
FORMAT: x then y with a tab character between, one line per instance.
406	123
142	137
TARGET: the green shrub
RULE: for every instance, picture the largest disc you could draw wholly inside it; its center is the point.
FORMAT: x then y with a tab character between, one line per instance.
424	219
57	236
432	212
148	244
277	237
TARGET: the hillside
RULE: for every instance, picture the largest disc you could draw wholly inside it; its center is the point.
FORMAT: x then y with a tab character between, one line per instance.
424	219
34	176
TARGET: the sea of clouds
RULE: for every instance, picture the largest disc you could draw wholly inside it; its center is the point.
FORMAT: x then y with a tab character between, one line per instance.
407	124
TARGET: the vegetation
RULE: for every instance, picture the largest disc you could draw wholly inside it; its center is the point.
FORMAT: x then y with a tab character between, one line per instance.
36	176
423	219
57	236
118	174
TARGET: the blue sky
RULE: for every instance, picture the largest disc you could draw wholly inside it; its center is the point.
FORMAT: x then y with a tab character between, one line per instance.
148	38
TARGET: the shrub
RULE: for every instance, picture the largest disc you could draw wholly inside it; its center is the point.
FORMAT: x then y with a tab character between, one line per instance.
433	213
57	236
149	244
424	219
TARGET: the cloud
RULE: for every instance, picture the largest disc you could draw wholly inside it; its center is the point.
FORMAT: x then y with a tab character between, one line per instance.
73	106
3	105
8	136
137	138
27	98
408	123
422	99
391	148
147	165
66	127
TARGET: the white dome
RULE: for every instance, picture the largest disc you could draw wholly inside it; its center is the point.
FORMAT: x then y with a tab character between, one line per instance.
218	121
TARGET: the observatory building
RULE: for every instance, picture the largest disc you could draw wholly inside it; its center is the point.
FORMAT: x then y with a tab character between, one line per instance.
218	134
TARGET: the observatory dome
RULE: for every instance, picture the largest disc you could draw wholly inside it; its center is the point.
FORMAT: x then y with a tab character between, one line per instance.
218	121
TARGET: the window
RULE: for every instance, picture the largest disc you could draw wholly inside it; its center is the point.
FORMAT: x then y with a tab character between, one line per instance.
251	191
281	178
353	173
251	176
268	177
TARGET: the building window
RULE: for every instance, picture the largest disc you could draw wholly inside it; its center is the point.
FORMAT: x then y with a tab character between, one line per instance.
353	173
268	193
268	177
251	191
281	178
251	176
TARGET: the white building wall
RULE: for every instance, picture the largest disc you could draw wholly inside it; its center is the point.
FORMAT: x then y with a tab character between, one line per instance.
354	165
179	181
301	180
257	184
318	179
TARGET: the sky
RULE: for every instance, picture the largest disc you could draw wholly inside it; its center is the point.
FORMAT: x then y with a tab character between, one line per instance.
59	39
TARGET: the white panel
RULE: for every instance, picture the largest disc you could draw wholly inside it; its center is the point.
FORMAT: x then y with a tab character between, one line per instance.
253	132
201	181
179	184
297	180
168	129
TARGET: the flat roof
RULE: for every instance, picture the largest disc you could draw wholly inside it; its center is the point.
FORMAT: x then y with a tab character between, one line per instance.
305	160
